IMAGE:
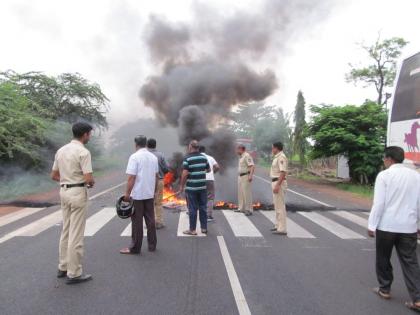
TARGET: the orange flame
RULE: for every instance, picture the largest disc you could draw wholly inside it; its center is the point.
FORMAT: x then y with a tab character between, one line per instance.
169	194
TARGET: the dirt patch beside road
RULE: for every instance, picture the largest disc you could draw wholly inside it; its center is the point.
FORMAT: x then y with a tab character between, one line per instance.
327	190
51	197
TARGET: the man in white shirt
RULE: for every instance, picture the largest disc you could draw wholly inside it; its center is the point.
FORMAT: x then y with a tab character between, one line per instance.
143	176
214	168
394	220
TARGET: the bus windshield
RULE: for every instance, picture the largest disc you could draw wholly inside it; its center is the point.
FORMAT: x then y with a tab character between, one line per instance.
404	122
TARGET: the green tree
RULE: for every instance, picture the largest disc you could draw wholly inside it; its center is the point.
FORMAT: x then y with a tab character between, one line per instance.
357	132
67	97
299	138
22	130
245	118
381	71
270	129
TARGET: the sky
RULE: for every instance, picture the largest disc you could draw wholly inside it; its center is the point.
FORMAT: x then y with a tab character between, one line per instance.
104	41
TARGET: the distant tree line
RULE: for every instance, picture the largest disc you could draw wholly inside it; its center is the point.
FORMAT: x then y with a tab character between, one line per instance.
357	132
36	113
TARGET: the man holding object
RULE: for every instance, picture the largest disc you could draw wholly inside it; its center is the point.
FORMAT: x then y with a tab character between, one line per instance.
394	221
143	176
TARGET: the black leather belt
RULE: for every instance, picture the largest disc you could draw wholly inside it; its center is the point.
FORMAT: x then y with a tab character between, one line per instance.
274	179
243	174
73	185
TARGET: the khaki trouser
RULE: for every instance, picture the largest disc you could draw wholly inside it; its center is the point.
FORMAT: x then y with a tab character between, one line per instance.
73	206
280	207
245	194
158	202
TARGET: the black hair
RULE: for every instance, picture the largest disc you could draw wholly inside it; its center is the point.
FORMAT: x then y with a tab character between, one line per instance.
202	149
151	143
80	128
140	141
242	147
278	145
395	153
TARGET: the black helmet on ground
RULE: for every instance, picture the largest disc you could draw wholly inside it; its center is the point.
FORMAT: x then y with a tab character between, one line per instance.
125	209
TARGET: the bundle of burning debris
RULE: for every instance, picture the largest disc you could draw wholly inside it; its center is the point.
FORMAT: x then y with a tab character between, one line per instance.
222	205
172	200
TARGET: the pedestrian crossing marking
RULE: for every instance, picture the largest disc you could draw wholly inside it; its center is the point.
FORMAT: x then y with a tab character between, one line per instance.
352	217
241	225
184	224
95	222
293	229
35	227
12	217
331	226
365	213
127	230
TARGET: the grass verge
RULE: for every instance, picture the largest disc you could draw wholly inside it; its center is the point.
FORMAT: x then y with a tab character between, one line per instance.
361	190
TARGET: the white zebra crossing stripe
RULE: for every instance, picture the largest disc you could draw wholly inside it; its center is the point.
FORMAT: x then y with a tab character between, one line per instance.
127	230
352	218
12	217
35	227
364	213
95	222
46	222
241	225
331	226
293	229
184	224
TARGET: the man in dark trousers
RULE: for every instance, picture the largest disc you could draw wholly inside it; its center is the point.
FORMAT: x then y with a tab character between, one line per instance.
394	221
143	176
193	180
163	169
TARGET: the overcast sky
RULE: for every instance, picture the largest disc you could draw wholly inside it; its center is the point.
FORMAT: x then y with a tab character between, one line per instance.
103	40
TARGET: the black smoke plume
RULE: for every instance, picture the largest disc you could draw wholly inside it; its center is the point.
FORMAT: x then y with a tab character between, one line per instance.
206	67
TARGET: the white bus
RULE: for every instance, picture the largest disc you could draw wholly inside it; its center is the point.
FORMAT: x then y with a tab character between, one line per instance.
404	116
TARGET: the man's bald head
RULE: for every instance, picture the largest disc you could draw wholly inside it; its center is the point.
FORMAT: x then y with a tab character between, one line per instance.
194	146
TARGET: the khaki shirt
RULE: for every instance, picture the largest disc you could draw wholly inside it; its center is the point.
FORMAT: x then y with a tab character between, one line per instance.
279	165
72	161
245	161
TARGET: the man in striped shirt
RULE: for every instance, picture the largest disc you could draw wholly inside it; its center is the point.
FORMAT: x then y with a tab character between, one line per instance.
193	180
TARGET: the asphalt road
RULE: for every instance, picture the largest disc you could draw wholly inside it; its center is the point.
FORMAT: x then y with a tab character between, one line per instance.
239	268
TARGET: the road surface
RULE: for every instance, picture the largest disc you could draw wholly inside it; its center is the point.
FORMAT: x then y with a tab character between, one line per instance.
324	266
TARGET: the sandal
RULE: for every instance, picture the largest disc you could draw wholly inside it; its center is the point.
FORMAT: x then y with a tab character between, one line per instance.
412	306
382	294
127	251
188	232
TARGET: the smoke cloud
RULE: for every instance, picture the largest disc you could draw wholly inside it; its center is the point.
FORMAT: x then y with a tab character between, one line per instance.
206	67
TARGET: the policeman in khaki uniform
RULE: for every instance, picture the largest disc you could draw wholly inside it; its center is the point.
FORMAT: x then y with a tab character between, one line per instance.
245	173
73	169
278	174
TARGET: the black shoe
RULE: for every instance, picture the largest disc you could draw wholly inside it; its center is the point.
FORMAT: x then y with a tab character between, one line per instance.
237	210
159	226
61	273
280	233
273	229
248	213
204	231
210	219
152	249
79	279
